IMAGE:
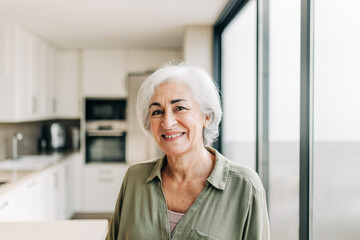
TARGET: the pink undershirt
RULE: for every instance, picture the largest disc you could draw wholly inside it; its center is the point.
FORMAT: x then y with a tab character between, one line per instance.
174	219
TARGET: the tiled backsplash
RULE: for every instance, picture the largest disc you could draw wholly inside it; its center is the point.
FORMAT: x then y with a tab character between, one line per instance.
31	132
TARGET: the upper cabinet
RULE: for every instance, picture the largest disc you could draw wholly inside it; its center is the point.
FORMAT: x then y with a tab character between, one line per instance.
15	75
36	81
51	80
104	72
36	78
67	103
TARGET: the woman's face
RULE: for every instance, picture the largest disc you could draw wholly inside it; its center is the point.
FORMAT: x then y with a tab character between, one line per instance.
176	120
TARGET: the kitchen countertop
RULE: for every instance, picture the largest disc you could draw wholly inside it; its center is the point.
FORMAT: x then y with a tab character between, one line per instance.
22	176
55	230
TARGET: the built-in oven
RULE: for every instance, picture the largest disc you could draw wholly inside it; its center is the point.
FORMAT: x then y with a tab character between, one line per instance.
105	141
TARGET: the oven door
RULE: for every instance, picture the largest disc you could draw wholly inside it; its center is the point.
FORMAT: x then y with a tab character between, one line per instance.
105	147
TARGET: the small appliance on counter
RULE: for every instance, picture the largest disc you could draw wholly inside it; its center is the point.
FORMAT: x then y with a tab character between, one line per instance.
53	138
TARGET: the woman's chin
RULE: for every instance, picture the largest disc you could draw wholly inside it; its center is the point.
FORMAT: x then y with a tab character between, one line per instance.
174	151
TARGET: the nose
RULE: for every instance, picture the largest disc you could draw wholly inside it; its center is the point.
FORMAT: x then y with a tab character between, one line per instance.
168	120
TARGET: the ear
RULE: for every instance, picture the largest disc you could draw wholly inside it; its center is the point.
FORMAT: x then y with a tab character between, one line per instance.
207	120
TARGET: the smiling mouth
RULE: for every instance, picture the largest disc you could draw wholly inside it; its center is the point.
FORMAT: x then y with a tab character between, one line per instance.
172	136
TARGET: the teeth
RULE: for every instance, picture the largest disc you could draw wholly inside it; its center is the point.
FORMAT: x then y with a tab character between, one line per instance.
173	136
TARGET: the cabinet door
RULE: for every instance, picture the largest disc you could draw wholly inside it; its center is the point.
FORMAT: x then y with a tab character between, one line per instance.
54	192
7	81
139	147
73	180
3	47
37	78
51	67
101	187
21	204
9	207
104	74
24	70
24	104
67	85
49	194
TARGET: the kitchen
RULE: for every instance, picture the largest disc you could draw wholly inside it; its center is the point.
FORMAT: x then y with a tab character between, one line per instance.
53	58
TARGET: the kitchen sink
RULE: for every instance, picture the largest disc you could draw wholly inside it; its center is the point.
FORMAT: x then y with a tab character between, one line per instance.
29	162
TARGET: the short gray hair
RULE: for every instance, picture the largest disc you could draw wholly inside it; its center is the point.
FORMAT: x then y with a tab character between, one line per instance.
203	87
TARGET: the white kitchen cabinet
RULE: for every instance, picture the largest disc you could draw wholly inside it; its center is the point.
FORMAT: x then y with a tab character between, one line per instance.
67	187
102	184
51	81
62	187
67	85
36	78
27	69
13	82
139	61
9	206
22	204
48	196
5	49
74	178
104	73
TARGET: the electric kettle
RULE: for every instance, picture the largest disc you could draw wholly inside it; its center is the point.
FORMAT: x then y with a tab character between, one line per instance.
57	137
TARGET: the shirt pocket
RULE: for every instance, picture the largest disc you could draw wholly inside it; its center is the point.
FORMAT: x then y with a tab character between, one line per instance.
197	235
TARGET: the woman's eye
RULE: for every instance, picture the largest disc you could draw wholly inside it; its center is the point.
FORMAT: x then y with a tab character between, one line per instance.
179	108
156	112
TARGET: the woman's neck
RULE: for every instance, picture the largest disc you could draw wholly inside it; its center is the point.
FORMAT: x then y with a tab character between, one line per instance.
189	166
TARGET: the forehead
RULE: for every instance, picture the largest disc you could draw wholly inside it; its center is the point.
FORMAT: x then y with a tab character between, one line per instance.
172	90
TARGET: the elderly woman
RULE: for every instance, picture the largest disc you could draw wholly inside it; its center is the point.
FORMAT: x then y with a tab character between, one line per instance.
192	192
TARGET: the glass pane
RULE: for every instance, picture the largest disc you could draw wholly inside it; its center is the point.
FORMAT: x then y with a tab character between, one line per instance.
284	118
239	87
336	153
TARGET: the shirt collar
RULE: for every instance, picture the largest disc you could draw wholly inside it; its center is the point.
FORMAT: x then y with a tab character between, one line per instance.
218	177
156	171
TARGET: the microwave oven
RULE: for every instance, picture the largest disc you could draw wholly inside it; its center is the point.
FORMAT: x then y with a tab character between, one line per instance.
105	109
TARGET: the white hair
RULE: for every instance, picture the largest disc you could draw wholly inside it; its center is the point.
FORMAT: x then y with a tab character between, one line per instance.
203	88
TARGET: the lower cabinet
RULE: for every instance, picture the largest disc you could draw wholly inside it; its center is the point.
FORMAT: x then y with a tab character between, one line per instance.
102	184
50	195
14	205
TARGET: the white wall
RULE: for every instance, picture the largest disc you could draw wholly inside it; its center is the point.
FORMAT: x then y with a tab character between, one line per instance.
197	46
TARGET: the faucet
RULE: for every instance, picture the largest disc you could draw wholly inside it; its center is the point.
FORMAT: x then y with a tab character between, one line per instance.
16	137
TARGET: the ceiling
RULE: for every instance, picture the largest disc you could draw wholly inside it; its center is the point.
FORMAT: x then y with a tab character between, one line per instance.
112	23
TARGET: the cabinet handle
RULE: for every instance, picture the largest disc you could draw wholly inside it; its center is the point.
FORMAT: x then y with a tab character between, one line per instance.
2	206
56	181
34	105
67	177
54	105
105	180
105	171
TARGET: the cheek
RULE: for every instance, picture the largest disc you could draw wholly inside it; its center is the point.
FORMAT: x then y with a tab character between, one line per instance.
153	126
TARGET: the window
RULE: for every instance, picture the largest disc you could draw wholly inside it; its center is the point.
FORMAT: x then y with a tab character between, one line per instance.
239	87
284	118
336	151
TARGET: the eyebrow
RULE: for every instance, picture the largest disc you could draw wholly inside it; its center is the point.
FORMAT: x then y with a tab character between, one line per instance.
177	100
172	102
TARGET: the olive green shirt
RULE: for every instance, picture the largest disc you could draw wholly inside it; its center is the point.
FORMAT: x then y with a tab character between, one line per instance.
232	205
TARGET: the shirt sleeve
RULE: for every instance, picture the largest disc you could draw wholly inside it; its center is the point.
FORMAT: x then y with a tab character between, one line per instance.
115	221
257	223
